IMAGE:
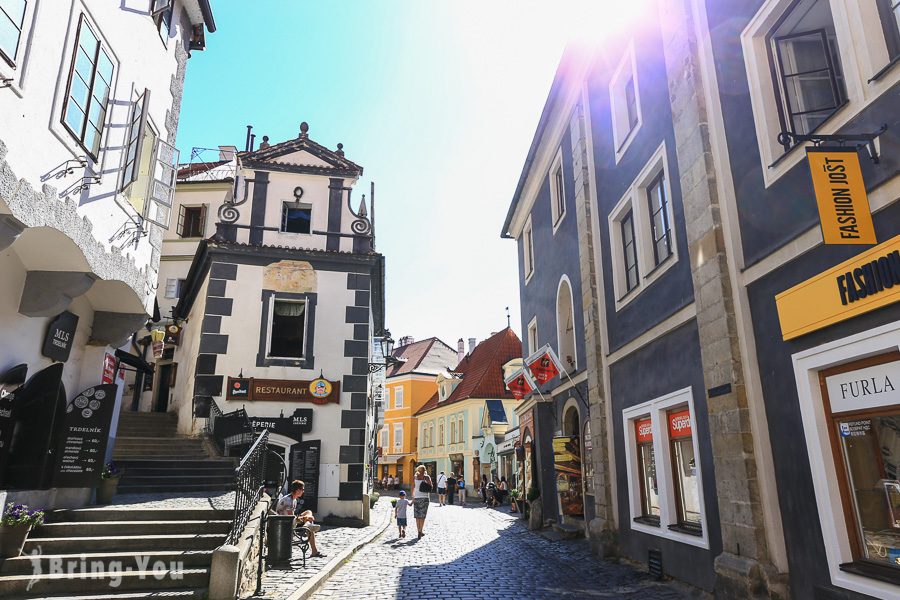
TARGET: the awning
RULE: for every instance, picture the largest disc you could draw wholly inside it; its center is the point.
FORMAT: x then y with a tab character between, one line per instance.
391	459
133	361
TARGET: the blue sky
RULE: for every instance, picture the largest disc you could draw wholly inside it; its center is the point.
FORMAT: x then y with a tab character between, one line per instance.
437	101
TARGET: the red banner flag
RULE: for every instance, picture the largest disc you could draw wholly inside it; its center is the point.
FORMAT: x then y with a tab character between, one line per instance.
544	365
520	384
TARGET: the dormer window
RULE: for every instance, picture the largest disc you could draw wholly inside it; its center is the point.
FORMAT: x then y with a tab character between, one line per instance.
296	217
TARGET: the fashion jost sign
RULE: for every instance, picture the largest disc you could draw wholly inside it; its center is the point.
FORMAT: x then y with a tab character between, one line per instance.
841	196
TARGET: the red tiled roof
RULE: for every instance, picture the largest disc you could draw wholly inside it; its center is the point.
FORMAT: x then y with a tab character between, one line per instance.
482	370
414	354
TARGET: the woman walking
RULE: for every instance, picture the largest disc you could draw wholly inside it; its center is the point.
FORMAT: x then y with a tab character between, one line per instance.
421	497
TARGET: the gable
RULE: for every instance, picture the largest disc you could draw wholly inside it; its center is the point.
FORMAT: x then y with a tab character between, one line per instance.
302	158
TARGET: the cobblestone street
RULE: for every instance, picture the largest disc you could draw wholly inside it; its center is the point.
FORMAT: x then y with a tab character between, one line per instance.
476	552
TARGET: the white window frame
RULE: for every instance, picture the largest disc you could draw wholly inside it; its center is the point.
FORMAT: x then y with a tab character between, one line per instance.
285	205
635	201
532	337
385	438
272	300
528	250
16	74
453	430
559	330
557	192
816	424
441	433
398	437
173	288
863	53
459	429
657	410
625	70
398	397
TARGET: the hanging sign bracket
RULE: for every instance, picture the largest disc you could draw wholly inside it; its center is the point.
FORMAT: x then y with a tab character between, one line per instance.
863	140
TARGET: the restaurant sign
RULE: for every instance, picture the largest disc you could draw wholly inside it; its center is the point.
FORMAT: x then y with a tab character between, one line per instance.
841	195
856	286
60	333
317	391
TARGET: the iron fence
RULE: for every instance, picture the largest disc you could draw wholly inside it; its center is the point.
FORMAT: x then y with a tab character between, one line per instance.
249	484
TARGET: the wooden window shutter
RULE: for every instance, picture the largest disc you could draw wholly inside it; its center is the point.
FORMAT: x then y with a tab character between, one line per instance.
181	215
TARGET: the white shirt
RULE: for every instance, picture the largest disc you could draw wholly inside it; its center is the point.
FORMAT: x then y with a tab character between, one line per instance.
416	492
402	503
442	481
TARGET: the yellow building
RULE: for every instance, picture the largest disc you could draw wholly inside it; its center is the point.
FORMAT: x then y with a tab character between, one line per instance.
408	385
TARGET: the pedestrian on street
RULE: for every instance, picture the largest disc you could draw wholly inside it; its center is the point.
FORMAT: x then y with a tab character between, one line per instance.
442	488
451	488
492	494
504	489
400	513
421	495
484	490
290	504
461	488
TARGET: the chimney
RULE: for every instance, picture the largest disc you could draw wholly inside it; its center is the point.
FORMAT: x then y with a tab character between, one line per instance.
227	152
460	350
406	340
471	345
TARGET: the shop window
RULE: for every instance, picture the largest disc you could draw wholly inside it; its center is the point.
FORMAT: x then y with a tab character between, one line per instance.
398	397
588	460
557	191
865	436
684	472
287	329
664	474
87	96
528	250
191	221
643	429
12	20
296	218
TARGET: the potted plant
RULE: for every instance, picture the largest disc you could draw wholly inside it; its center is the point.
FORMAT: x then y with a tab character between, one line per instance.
17	521
109	482
394	502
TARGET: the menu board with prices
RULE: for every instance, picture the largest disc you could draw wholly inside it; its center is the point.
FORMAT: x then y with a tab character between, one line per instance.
305	467
84	438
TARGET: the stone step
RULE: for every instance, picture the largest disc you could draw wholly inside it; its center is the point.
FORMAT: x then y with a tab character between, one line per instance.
94	514
222	471
174	454
195	463
122	543
128	528
179	594
127	488
163	446
106	561
176	480
103	582
130	415
151	433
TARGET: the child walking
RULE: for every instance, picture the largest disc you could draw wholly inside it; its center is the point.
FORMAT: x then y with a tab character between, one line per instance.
400	513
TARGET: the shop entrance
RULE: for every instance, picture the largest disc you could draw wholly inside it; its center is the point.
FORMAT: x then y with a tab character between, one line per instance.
163	384
568	465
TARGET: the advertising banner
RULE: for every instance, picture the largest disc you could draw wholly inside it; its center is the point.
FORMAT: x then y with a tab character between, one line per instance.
317	391
544	365
841	195
521	384
85	435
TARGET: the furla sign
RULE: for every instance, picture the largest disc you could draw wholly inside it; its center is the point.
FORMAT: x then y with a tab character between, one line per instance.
865	388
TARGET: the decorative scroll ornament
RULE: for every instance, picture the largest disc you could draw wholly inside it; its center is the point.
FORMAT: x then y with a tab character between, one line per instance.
228	212
362	225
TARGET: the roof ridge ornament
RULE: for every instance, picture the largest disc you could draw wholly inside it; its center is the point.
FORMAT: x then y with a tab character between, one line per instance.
304	130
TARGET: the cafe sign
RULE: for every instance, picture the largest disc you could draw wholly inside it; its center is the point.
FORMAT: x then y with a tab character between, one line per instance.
856	286
60	333
317	391
841	195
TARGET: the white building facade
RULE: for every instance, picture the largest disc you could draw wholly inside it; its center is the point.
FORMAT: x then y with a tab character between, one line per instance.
90	96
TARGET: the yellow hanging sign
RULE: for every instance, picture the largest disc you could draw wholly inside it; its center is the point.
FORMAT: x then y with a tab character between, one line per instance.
841	196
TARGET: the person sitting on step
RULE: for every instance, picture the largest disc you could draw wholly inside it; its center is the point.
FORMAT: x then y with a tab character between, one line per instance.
290	504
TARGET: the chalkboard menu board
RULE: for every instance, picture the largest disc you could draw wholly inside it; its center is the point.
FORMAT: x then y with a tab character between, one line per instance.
305	467
84	437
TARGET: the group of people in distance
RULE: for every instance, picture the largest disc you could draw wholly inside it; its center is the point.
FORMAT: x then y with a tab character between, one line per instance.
389	482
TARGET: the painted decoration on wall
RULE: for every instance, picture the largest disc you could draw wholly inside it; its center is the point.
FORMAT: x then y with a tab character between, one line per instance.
296	276
567	465
320	388
521	384
544	365
85	435
60	334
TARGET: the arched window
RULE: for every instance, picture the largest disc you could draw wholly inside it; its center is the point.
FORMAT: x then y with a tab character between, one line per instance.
565	325
459	428
453	431
431	435
441	434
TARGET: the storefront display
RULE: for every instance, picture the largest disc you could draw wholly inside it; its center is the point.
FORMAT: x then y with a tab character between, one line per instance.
647	468
684	469
567	464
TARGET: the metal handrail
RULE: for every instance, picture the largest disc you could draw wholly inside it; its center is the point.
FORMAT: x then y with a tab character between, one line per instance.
249	485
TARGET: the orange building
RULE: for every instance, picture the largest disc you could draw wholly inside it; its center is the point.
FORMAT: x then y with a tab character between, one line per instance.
408	386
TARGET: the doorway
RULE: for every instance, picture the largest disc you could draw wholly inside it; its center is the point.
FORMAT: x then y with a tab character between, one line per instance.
163	388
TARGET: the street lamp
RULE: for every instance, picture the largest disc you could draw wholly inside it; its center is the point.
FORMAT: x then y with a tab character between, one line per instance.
387	350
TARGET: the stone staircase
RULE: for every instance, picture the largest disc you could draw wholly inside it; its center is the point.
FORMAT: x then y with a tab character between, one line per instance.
156	459
117	553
